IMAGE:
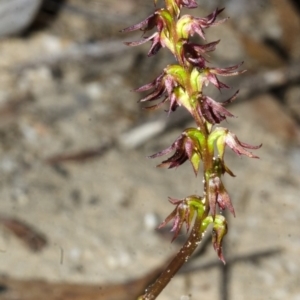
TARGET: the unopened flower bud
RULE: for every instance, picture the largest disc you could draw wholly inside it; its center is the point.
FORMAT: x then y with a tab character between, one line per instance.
218	233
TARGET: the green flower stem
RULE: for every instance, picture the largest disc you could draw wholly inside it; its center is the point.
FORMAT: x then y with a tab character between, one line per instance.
181	257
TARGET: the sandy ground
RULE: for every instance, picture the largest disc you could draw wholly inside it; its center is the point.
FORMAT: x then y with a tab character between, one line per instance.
99	214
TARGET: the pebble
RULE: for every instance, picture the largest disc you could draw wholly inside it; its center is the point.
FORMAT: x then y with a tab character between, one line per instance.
151	221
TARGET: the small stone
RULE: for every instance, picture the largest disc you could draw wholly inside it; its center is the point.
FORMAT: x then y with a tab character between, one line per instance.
151	221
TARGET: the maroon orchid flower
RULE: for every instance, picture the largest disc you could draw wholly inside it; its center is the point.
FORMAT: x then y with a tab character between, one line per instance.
194	53
178	158
222	137
183	213
190	25
211	75
218	195
214	112
186	147
157	20
239	147
163	86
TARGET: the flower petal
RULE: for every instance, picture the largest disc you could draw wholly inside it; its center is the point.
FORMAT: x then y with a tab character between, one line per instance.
213	111
238	147
143	41
146	24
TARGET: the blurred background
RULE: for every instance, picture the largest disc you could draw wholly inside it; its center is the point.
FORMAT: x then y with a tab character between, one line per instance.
80	202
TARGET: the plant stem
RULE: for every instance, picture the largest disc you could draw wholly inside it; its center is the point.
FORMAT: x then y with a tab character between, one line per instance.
181	257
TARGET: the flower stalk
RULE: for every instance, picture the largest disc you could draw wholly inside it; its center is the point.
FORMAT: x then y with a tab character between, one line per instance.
182	85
